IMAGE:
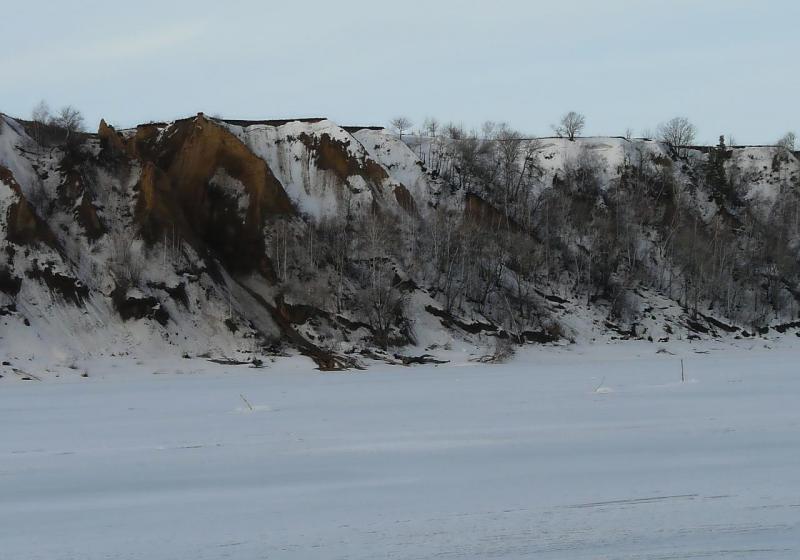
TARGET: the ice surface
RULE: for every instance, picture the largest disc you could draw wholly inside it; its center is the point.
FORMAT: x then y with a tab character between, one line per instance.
577	452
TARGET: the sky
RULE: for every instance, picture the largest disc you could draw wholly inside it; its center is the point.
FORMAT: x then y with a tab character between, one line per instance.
730	66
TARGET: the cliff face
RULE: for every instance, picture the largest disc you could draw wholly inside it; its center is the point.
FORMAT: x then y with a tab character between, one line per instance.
165	229
200	182
23	226
325	170
237	238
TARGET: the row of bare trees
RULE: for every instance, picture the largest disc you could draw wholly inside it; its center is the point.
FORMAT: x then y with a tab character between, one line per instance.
677	133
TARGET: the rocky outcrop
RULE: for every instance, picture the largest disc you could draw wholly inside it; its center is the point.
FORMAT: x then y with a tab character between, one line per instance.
23	224
110	140
332	154
201	182
326	171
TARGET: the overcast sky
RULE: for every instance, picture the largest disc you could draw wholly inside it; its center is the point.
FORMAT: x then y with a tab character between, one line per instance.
731	66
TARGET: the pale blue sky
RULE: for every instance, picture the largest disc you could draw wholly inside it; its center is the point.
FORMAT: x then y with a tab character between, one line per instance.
731	66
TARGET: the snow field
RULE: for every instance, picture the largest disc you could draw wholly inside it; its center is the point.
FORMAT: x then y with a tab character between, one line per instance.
577	452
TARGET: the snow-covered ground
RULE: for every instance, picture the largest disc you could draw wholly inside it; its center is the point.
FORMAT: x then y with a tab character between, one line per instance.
575	452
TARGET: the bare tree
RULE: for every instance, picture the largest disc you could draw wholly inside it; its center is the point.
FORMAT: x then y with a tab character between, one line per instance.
677	133
518	158
489	129
40	115
69	119
571	125
401	125
788	142
431	126
380	295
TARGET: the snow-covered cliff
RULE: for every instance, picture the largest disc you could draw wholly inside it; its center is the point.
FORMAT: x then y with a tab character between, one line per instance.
235	239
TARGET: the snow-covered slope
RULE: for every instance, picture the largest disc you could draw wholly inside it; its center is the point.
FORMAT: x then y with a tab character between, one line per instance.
325	170
764	169
609	154
404	166
238	238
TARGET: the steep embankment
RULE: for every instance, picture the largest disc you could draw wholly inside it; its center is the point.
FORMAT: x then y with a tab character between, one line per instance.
239	238
154	239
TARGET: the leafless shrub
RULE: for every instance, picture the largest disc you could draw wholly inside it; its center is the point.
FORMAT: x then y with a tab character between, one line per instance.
126	262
